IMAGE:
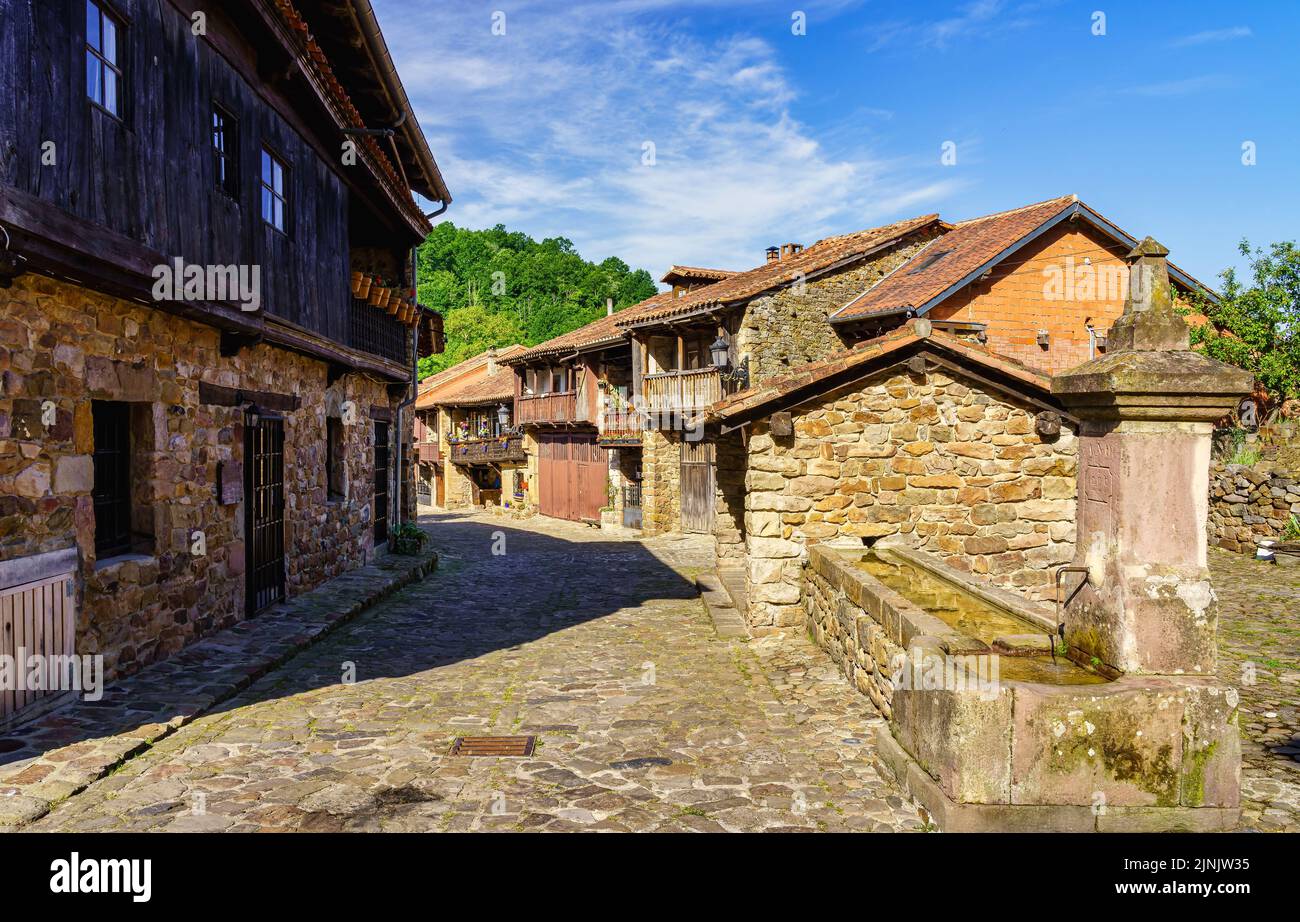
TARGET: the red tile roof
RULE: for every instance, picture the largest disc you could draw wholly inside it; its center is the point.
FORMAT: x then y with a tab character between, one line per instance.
436	386
601	331
491	388
824	253
950	258
805	379
964	250
689	273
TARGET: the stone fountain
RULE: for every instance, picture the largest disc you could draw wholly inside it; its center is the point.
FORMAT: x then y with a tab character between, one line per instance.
1155	746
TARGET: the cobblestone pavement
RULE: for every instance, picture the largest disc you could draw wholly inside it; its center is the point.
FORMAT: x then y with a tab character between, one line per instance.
1259	652
645	719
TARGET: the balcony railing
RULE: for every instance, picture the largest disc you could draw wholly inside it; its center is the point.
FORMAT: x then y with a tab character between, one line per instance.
621	426
485	451
681	391
428	452
560	407
371	330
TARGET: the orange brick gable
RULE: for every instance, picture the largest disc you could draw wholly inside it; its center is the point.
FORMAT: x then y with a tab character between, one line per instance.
1031	291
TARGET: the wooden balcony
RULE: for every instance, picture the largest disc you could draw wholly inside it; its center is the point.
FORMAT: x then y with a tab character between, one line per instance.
621	427
560	407
681	392
488	451
428	452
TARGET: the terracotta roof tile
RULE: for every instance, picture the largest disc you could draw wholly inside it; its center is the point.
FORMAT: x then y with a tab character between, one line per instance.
745	285
602	330
950	258
444	382
695	272
805	376
492	388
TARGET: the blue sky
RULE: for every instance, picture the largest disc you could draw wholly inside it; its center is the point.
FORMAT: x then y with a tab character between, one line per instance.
763	136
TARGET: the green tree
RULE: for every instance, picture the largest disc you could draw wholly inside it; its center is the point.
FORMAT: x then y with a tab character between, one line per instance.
496	287
1255	325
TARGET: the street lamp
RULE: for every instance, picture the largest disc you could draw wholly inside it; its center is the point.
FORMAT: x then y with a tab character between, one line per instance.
503	417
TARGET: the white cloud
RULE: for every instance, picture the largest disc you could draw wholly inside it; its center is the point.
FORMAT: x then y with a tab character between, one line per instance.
542	129
1211	35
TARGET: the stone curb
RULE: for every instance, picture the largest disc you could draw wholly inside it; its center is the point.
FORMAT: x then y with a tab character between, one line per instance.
218	667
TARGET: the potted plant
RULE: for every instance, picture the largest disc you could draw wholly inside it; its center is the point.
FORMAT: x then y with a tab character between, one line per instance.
361	285
394	301
378	293
407	538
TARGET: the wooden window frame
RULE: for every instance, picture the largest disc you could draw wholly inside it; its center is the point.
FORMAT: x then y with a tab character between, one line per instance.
281	195
226	154
104	64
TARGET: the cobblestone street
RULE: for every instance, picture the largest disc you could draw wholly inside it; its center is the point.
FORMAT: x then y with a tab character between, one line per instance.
645	719
1259	652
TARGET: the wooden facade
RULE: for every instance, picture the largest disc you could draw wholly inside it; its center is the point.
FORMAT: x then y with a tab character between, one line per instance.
103	198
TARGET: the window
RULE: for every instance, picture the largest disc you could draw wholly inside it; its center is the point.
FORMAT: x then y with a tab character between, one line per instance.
124	442
337	482
103	56
275	200
930	261
225	151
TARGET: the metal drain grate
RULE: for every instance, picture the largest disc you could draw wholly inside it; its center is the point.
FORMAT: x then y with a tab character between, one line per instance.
493	745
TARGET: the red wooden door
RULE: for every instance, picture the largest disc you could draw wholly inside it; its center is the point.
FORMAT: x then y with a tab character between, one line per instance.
571	477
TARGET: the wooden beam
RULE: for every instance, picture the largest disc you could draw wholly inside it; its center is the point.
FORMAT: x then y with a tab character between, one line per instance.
221	396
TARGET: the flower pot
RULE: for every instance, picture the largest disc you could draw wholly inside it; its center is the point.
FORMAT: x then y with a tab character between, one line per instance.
378	294
360	285
394	301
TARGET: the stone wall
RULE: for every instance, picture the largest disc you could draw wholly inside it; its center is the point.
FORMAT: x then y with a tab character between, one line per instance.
729	529
661	482
789	327
1248	503
840	622
62	347
957	469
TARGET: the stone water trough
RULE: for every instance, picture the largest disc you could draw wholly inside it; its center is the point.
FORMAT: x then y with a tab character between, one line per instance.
1106	712
994	725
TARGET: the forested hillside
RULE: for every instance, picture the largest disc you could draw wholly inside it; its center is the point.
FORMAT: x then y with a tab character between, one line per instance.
496	287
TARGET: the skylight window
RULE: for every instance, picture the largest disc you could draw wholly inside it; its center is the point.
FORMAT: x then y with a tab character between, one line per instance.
930	261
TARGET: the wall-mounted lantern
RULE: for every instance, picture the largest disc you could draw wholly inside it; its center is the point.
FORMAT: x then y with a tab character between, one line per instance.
718	352
1043	339
503	416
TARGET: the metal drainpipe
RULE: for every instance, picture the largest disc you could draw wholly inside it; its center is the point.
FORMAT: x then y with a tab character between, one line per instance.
415	391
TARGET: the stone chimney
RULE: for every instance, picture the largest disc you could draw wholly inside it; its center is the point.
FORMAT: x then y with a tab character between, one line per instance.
609	307
773	254
790	249
1148	407
492	360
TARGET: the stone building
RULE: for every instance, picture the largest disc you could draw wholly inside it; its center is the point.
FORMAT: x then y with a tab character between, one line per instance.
207	327
469	450
916	434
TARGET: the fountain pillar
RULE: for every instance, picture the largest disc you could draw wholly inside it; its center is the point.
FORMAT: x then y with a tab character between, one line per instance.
1148	407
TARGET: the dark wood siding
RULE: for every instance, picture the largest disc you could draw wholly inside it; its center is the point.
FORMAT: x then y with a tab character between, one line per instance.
150	175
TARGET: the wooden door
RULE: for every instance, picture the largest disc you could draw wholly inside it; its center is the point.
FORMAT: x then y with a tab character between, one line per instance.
571	477
264	510
591	473
697	487
439	487
37	618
